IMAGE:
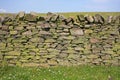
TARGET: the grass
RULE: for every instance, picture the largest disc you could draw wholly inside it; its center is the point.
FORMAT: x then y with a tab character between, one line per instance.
73	14
60	73
104	14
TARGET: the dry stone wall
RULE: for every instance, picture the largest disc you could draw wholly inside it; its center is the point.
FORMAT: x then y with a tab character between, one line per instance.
32	40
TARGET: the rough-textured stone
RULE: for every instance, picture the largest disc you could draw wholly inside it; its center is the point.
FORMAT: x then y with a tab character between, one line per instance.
110	19
88	31
13	53
81	18
31	17
90	19
94	40
21	15
1	20
99	19
76	31
13	32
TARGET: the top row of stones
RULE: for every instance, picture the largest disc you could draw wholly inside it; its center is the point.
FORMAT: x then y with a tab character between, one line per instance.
53	17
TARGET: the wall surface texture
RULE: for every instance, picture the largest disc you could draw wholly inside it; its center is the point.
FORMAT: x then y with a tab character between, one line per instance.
53	40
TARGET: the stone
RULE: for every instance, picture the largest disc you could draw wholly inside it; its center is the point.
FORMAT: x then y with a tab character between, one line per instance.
3	32
63	55
46	26
11	27
109	51
70	51
27	33
87	26
7	20
76	32
67	38
13	53
36	40
64	34
50	40
106	57
52	62
31	17
81	18
79	40
34	13
109	20
51	16
117	19
21	15
44	33
69	20
53	50
94	40
13	32
73	56
99	18
32	64
79	48
49	56
1	20
90	19
61	18
95	19
88	31
54	18
41	18
93	56
2	45
10	57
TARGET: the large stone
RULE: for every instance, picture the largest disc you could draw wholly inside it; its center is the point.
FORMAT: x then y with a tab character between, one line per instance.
63	55
2	46
61	17
27	33
13	53
44	33
99	19
50	40
32	17
7	20
52	62
51	17
13	32
79	40
117	19
69	20
41	18
32	64
109	20
67	37
94	40
46	26
90	19
3	32
36	40
1	20
21	15
92	56
88	31
54	18
81	18
76	32
34	13
79	49
73	56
